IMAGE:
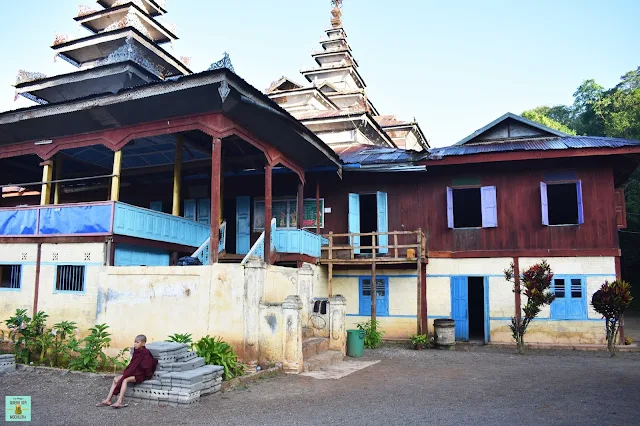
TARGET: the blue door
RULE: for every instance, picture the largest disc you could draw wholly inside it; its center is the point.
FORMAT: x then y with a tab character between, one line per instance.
354	221
190	209
382	296
459	306
204	211
383	222
243	225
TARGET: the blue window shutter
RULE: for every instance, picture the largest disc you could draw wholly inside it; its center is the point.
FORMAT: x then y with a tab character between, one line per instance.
545	203
190	209
354	220
243	225
364	300
204	211
156	206
382	296
450	207
383	222
580	209
489	207
459	306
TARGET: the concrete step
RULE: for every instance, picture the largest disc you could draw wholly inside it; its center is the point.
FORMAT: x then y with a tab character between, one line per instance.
307	332
314	346
323	360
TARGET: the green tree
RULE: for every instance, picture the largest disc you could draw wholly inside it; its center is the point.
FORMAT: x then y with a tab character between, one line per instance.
541	118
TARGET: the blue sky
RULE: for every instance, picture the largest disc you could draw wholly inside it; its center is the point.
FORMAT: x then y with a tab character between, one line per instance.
454	66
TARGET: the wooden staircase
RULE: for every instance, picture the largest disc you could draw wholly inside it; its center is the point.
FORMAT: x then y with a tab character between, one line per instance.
315	352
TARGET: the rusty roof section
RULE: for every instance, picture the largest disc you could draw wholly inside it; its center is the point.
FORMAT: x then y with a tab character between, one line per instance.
371	154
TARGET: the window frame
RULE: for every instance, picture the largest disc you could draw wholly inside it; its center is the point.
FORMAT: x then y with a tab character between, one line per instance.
290	201
21	267
554	313
544	200
488	206
84	278
363	312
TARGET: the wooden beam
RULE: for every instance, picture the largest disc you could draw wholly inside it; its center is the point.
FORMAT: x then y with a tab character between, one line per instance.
115	180
37	280
216	160
47	176
267	212
58	167
516	278
177	176
318	205
300	205
423	279
608	252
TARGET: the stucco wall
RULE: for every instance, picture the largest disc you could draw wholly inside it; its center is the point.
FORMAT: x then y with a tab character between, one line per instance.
280	282
22	298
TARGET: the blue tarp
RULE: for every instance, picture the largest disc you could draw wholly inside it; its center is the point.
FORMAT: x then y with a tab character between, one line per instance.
18	222
75	220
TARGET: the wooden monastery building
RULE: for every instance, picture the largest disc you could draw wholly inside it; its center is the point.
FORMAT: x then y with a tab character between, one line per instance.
135	160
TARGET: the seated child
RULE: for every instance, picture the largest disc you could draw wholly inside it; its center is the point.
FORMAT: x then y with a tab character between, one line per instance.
140	368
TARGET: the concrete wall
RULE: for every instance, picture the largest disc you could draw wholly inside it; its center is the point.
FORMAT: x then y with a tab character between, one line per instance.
12	299
280	282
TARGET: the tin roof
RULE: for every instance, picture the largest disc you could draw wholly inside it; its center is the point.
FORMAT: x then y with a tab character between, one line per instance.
371	154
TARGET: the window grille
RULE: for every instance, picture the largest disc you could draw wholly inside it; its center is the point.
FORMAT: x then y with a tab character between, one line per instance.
70	278
10	276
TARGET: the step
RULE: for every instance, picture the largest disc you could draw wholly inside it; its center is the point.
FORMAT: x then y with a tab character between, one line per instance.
323	360
314	346
307	332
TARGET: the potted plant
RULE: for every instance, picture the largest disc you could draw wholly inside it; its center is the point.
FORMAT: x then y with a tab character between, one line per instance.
419	341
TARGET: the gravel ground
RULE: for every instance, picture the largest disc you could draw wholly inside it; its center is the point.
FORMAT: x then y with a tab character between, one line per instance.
473	385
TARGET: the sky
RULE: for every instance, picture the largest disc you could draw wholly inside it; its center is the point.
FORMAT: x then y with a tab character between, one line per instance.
453	66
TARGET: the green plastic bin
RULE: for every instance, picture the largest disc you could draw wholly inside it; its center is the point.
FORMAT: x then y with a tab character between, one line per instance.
355	343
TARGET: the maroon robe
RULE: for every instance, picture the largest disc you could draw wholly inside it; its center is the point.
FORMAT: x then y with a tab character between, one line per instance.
142	367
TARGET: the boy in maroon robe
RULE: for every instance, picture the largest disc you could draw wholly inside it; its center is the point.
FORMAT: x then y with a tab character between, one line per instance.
140	368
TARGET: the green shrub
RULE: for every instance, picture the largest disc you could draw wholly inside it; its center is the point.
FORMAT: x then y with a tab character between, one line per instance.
372	334
181	338
91	355
611	301
26	334
63	343
215	351
420	341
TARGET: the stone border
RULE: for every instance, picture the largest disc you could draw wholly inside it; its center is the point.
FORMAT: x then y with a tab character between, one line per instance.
243	380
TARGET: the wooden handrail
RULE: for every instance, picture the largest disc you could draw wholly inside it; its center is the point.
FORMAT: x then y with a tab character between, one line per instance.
367	234
393	249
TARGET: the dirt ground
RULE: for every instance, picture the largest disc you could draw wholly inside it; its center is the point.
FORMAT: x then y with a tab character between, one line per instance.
473	385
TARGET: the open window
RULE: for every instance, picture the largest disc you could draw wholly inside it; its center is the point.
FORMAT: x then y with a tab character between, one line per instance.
561	203
368	213
472	207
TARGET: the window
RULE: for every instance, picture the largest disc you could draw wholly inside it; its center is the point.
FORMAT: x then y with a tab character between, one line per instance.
472	207
571	300
10	276
70	278
561	203
382	296
285	211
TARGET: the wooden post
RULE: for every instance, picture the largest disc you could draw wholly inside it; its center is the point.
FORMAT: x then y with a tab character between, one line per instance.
37	280
47	174
177	176
267	213
516	279
58	167
214	225
115	180
330	257
425	322
318	205
419	286
300	217
618	267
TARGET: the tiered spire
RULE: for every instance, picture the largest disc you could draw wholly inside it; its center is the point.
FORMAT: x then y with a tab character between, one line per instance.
336	22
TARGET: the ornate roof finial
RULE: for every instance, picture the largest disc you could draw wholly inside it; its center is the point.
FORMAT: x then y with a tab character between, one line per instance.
336	22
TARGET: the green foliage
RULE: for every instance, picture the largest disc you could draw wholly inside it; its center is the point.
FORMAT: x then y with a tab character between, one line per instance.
611	301
91	355
181	338
538	117
372	334
64	340
420	341
215	351
535	283
120	361
26	334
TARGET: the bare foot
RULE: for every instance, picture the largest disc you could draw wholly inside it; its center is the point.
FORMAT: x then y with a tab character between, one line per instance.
104	403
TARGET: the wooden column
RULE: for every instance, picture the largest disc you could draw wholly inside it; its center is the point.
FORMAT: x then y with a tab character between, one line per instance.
177	176
267	214
115	180
300	205
317	205
47	174
216	160
58	167
516	279
618	267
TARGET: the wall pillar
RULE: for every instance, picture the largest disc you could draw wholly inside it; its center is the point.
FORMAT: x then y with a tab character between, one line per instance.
254	276
267	213
115	179
177	176
57	188
292	335
318	205
305	291
337	324
300	200
216	160
47	174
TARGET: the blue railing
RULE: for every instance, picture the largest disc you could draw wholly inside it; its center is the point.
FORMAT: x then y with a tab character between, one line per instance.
298	241
203	251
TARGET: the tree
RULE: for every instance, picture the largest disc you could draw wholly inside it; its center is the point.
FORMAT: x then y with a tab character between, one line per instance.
611	301
539	117
537	283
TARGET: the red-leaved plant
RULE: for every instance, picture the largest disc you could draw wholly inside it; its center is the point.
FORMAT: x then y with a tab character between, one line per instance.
611	301
535	283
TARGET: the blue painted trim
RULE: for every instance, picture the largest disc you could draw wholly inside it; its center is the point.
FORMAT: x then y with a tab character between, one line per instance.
549	319
385	316
438	316
72	263
18	263
386	275
487	320
84	283
502	276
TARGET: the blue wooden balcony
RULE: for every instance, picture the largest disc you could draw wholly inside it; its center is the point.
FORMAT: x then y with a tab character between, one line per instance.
298	241
100	218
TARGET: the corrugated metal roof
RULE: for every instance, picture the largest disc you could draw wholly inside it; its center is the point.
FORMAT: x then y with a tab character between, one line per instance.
368	154
567	142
